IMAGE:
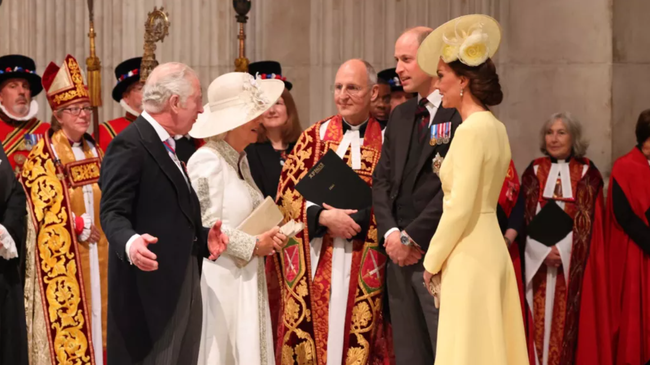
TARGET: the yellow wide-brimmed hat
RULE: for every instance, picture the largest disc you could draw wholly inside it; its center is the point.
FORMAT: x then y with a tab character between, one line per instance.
471	39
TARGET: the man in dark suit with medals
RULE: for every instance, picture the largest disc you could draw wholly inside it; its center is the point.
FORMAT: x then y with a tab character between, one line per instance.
152	218
407	200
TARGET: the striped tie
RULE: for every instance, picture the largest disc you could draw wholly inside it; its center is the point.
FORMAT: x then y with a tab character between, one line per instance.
170	146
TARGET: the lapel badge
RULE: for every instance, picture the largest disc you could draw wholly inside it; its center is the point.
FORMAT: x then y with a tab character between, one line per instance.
437	163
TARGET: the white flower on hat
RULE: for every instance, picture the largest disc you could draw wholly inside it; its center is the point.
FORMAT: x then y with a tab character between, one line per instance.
474	50
469	47
258	100
449	53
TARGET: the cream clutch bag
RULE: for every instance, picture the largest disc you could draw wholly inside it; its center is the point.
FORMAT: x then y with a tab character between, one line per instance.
266	216
434	288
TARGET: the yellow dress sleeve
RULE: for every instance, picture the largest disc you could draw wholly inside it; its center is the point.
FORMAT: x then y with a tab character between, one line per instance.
466	156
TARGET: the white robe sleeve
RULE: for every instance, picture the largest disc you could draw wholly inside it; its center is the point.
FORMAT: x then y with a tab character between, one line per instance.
206	172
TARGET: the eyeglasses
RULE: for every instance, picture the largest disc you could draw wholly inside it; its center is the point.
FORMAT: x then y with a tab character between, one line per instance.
75	110
352	90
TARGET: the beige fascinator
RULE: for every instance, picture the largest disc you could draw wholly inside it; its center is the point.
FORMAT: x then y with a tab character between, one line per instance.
470	39
234	99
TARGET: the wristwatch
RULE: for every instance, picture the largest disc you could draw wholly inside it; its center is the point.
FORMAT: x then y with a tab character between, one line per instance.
405	239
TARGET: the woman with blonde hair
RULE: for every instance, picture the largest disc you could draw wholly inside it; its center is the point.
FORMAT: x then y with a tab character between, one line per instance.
236	317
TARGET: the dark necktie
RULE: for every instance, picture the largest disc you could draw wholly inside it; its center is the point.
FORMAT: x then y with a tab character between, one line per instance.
423	114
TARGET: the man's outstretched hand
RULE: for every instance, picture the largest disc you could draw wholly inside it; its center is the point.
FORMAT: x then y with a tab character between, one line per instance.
217	241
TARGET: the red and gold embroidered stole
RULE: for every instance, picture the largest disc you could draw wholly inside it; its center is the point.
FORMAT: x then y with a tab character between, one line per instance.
587	189
54	191
299	304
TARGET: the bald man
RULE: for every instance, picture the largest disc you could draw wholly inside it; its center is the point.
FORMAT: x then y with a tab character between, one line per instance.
152	219
339	316
407	200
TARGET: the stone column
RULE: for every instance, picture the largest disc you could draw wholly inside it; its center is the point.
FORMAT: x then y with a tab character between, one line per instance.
631	69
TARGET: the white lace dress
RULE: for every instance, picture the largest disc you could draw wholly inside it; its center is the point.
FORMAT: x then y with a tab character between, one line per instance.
236	317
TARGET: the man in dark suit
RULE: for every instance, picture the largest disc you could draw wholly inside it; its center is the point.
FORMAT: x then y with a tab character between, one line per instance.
13	335
152	218
407	199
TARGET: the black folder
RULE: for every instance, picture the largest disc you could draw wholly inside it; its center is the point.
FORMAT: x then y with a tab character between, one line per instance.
333	182
550	225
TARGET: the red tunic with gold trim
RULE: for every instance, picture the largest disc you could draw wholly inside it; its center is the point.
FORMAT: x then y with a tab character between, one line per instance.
300	305
628	232
60	273
15	136
110	129
571	340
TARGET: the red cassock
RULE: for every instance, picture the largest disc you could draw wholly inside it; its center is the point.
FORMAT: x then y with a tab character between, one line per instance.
627	227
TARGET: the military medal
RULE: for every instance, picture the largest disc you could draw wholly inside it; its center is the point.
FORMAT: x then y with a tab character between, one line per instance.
434	135
30	141
440	133
446	136
437	163
20	158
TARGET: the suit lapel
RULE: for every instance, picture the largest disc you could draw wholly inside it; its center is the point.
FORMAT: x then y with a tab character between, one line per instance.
442	116
403	136
152	143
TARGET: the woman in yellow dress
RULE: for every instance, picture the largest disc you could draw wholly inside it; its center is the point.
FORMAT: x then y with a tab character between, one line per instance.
467	264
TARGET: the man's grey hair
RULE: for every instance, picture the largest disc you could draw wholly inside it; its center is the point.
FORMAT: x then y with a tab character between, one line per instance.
579	144
172	78
372	74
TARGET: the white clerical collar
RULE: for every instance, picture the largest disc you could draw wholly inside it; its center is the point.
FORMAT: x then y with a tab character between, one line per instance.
128	108
33	110
352	139
355	127
559	169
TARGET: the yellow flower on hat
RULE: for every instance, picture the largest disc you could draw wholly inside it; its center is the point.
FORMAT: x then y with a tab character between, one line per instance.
449	53
471	39
474	50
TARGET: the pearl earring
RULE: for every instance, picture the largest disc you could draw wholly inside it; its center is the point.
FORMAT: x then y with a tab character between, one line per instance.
461	92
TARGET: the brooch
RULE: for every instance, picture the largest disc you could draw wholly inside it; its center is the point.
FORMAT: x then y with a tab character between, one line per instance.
437	162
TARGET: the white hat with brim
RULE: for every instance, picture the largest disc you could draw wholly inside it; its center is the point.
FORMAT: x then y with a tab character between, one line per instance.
235	99
471	39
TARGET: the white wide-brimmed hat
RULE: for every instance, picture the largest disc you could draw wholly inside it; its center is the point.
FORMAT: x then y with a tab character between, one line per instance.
234	99
470	39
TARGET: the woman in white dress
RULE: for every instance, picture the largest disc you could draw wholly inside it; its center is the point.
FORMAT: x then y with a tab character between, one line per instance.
236	318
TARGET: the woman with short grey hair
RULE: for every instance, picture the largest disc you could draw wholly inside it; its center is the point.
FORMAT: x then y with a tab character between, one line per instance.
572	128
563	195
